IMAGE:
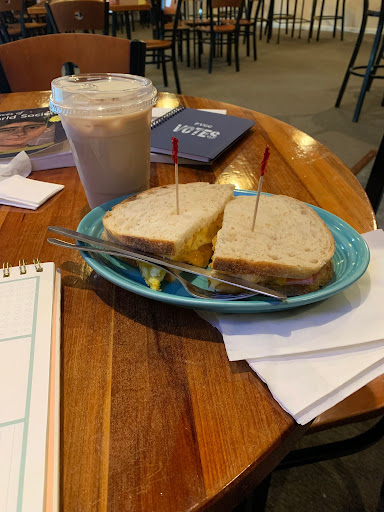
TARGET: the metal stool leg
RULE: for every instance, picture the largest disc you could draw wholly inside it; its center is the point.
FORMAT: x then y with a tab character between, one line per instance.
376	65
294	18
342	21
270	20
164	68
320	19
301	18
281	13
314	5
354	54
375	184
369	68
257	500
336	17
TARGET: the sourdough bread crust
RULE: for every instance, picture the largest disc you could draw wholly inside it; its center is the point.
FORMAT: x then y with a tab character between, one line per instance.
153	246
239	250
290	290
151	241
263	268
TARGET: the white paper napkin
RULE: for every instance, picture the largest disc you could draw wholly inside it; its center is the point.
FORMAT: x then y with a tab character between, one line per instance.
20	165
315	357
26	193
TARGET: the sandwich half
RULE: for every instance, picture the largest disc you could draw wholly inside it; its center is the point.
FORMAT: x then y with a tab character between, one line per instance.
290	249
149	222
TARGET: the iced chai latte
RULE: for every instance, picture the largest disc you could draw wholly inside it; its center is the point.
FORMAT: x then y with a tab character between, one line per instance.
107	119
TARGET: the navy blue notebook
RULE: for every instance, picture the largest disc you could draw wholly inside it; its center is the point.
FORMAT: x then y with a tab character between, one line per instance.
202	136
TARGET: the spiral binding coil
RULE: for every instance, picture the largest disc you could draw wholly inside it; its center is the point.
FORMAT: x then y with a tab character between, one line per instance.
160	120
6	271
7	267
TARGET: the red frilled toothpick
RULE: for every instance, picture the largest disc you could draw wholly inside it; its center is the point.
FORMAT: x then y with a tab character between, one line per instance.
263	168
175	151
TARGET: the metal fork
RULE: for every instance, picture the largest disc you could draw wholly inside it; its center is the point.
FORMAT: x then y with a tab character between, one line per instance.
192	289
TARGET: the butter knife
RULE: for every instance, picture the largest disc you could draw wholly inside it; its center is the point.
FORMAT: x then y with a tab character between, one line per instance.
118	249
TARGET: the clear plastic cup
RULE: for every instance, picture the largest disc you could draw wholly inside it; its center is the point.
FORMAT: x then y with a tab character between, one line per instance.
107	119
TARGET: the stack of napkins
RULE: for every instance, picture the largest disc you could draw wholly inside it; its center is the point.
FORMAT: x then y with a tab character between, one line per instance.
17	190
26	193
313	357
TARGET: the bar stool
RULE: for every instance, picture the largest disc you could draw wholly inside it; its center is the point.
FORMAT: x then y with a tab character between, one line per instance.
284	16
373	63
336	17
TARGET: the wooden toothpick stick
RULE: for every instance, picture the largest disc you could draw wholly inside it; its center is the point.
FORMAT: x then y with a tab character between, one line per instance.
263	167
175	150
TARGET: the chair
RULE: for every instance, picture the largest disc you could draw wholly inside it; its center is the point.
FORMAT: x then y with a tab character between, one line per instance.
257	17
183	31
368	72
285	16
157	47
13	22
248	25
216	30
73	15
44	56
194	16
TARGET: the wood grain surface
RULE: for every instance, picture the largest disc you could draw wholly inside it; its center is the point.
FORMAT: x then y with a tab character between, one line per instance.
154	418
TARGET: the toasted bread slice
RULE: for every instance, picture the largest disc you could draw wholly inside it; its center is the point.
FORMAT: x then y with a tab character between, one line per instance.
148	222
290	242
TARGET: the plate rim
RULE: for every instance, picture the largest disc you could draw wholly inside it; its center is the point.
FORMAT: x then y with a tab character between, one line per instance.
243	306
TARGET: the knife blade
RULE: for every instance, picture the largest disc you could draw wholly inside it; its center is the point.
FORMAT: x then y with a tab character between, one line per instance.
151	258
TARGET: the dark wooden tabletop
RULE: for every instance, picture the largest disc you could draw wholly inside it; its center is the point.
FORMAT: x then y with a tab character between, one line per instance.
154	418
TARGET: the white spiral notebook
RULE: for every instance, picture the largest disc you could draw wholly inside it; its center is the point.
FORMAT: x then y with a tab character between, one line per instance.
29	387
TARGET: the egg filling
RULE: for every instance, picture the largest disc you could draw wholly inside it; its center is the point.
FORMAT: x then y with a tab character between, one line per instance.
197	251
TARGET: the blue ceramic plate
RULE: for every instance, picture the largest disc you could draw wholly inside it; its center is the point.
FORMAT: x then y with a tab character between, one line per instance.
350	262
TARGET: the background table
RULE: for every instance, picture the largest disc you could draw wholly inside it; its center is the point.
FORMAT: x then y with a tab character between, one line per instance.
115	6
153	415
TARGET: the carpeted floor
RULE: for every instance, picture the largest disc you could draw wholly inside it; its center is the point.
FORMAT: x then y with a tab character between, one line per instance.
298	82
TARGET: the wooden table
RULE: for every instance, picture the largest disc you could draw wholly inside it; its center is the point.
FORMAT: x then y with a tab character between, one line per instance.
115	6
153	415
